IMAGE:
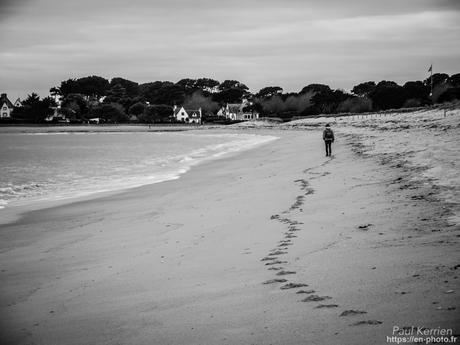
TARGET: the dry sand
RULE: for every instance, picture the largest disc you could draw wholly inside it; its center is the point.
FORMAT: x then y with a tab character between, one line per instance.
185	261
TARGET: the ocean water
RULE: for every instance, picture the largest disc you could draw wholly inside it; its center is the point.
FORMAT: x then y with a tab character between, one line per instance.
52	166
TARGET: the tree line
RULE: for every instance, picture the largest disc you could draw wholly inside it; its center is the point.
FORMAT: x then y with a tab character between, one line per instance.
120	100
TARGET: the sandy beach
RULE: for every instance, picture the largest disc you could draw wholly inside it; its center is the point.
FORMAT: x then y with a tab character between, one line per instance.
276	245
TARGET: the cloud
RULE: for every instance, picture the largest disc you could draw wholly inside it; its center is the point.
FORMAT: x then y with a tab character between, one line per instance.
284	43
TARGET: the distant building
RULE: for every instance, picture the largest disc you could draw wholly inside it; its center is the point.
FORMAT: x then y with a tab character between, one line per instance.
94	121
6	106
57	116
238	111
187	115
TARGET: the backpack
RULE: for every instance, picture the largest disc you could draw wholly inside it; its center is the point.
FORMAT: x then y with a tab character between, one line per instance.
328	134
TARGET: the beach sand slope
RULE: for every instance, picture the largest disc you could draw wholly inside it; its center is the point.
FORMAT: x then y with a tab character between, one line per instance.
277	245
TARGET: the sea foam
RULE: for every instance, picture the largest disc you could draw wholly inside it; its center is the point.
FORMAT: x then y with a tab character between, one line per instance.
49	167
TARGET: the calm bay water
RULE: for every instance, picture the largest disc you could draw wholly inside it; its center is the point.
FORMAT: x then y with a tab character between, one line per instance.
48	166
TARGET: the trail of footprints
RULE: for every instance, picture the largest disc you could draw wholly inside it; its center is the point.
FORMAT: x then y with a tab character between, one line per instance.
274	263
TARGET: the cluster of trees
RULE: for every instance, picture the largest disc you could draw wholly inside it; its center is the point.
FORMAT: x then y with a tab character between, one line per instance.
368	96
34	109
121	100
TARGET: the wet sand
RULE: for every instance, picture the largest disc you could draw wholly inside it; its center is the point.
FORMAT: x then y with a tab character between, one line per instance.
277	245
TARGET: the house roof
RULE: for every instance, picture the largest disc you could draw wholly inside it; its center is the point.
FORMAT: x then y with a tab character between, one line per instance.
193	113
190	112
176	111
4	99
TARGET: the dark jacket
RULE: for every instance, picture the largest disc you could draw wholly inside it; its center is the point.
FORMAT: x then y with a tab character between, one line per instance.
328	135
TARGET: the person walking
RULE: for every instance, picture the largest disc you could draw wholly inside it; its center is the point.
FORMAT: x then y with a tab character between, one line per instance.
328	137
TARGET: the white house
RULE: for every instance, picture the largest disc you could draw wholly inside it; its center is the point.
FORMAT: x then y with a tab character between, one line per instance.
6	106
187	115
94	121
236	111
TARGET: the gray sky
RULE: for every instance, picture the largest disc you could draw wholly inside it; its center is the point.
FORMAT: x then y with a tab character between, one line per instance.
288	43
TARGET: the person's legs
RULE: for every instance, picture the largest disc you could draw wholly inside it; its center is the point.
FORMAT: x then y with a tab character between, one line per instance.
327	148
330	148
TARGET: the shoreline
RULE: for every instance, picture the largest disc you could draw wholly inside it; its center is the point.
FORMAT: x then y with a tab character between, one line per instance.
183	261
11	209
103	128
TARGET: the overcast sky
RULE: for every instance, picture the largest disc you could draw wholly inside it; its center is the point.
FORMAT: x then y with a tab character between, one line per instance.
289	43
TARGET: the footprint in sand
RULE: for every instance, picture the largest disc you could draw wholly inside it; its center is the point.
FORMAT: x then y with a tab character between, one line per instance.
267	258
315	298
283	273
299	202
277	262
278	252
352	312
290	236
321	306
285	242
367	322
293	286
305	291
275	268
272	281
309	191
364	227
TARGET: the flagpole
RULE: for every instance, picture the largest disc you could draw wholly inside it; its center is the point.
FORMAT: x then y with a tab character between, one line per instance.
431	69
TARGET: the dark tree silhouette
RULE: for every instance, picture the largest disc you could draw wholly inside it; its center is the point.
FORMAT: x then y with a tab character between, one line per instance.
131	88
327	101
156	113
160	92
76	106
207	85
233	84
438	79
388	95
269	91
451	94
454	80
315	88
233	95
364	89
34	109
89	86
417	90
137	109
187	84
93	86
